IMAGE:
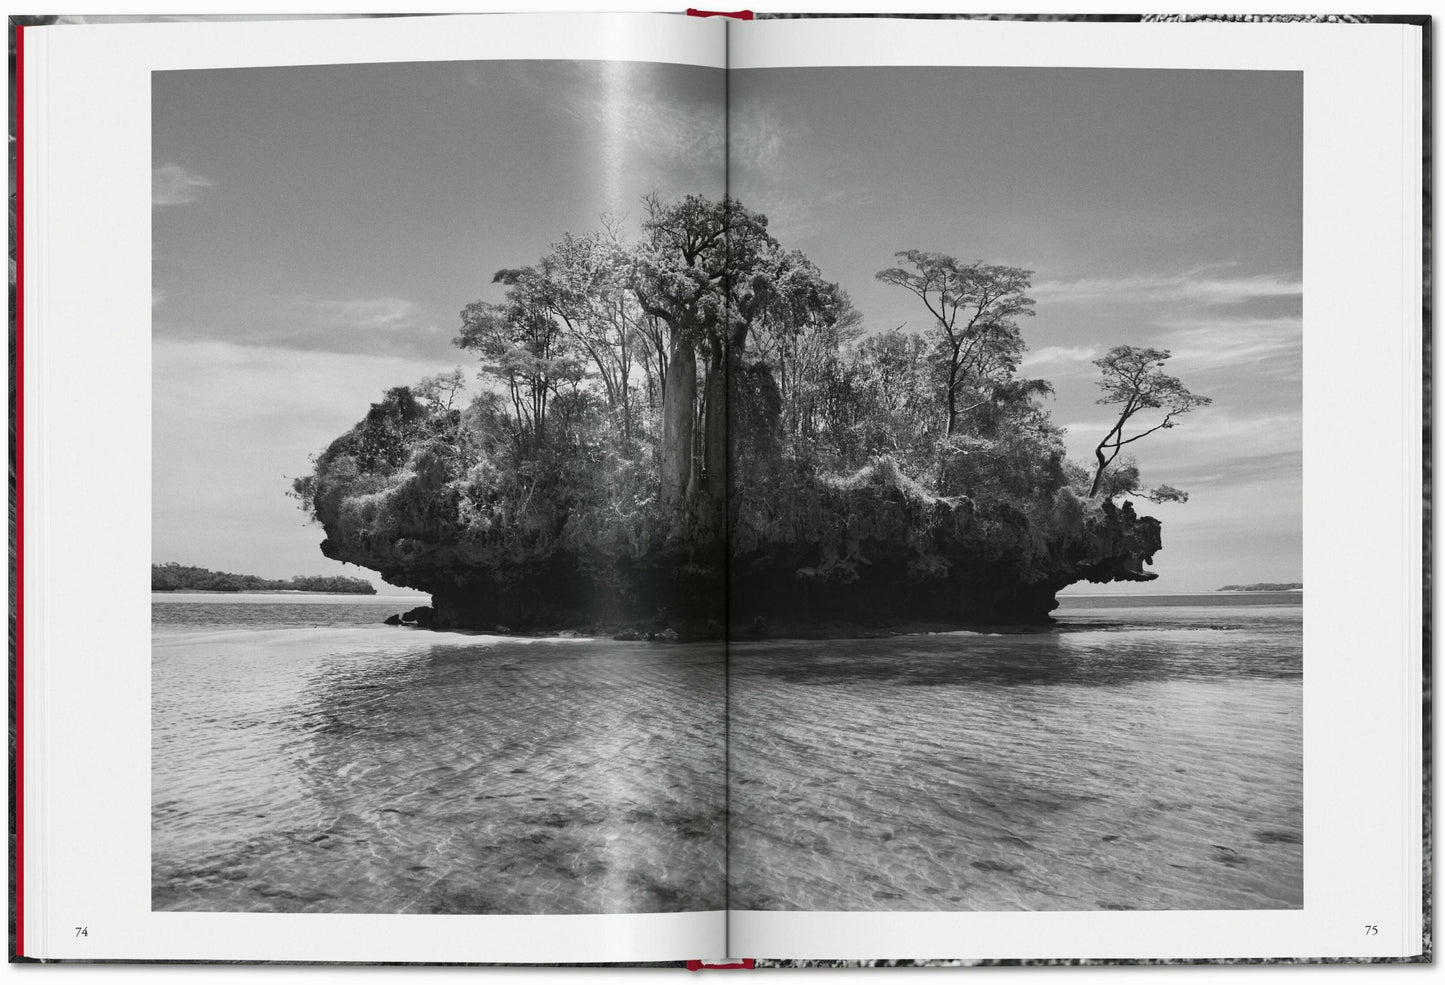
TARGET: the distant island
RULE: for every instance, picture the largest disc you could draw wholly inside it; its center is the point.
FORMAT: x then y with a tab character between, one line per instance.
173	577
1265	586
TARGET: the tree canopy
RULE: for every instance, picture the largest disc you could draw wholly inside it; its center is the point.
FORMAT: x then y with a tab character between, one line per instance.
1135	381
703	377
975	334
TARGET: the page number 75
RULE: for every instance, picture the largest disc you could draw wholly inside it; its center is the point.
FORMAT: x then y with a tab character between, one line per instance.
1371	929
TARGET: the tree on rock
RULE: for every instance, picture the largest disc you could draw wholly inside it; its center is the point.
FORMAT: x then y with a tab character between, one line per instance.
1134	379
975	307
525	345
679	270
716	278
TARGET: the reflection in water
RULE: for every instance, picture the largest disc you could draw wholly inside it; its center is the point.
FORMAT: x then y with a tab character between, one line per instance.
301	771
1143	758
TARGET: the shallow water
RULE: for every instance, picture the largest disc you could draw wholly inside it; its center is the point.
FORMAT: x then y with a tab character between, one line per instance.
381	770
1145	753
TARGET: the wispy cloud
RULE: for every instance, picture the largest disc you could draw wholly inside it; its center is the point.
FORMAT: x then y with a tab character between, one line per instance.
306	323
172	184
1230	334
1198	285
263	385
1211	447
231	423
1228	343
1054	358
366	314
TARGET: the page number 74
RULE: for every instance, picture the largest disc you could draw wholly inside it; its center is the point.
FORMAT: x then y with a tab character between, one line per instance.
1371	929
82	931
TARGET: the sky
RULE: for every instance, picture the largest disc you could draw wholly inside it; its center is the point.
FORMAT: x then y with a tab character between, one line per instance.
318	229
1156	207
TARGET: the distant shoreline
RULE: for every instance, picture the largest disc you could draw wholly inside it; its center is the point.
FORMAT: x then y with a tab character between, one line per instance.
174	577
1200	593
269	591
1265	586
179	595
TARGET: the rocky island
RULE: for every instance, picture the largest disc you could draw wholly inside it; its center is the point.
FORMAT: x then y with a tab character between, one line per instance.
693	433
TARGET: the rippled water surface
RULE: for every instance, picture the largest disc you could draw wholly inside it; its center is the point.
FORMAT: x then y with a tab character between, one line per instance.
1144	754
316	761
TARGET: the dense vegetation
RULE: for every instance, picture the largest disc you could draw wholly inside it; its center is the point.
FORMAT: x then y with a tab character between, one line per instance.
699	416
173	577
1264	586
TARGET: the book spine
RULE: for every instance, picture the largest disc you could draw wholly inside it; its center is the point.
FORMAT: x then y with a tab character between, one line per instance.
17	865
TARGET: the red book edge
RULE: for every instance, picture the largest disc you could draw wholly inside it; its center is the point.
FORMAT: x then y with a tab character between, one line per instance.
17	866
744	963
742	15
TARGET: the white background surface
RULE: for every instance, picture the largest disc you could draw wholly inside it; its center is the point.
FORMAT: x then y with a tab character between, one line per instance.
1315	399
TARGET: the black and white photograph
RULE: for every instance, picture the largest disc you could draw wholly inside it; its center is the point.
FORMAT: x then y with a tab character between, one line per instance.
632	487
397	346
1036	496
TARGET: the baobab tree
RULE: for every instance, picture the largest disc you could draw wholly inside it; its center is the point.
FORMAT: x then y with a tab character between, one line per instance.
678	275
712	274
1134	379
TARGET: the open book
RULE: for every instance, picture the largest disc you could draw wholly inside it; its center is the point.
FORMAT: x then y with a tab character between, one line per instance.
840	488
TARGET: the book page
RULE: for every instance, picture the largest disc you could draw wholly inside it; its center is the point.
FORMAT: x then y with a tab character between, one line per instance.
1063	633
373	352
